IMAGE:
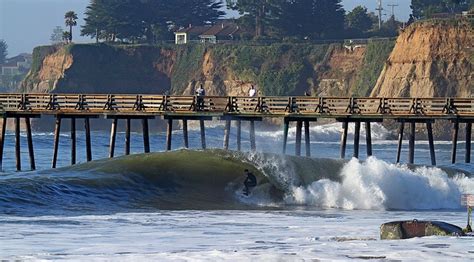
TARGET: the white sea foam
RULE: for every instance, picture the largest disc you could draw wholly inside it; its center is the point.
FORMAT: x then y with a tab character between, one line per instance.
376	184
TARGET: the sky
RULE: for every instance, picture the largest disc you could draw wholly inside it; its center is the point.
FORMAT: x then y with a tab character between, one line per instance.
25	24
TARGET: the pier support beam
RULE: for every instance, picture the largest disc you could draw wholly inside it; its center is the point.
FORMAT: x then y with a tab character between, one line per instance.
253	145
429	130
299	125
239	135
185	134
57	130
17	144
307	138
73	141
286	126
400	140
127	136
454	141
87	128
468	142
368	138
29	138
203	133
345	126
169	133
226	134
2	140
356	139
113	135
411	143
146	135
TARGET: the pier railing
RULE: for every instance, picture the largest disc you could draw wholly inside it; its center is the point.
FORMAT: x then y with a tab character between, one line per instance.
264	106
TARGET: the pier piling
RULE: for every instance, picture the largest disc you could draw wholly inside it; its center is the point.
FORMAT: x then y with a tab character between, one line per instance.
239	135
87	128
307	138
226	134
113	134
429	130
57	130
2	140
127	136
29	138
73	141
17	144
203	133
185	134
400	139
356	139
299	124
169	134
411	143
146	136
455	131
368	138
286	126
345	126
468	142
253	145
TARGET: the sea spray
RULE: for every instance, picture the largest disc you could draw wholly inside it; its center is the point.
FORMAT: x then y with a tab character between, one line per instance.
376	184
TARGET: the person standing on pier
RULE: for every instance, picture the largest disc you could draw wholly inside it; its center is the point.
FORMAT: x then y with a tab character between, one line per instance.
200	93
252	91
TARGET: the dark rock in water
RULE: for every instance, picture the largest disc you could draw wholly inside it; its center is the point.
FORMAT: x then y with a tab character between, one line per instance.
415	228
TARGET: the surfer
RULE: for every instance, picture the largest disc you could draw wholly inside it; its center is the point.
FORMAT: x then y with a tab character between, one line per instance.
250	181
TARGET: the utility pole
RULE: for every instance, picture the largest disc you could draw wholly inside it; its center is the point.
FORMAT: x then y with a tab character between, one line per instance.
380	9
393	9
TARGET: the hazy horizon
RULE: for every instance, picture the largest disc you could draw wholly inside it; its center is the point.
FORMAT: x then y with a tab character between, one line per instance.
25	24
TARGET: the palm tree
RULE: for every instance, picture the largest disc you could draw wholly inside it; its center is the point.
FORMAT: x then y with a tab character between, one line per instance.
70	20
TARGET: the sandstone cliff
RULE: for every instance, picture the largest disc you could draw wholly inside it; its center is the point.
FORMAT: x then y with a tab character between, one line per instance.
430	59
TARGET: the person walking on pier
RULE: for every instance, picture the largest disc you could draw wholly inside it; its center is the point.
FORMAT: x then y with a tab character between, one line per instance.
252	91
200	93
250	181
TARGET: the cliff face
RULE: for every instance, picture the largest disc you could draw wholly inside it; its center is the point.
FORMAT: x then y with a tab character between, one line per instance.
278	69
430	60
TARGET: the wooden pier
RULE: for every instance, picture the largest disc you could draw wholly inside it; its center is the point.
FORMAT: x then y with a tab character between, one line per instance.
299	110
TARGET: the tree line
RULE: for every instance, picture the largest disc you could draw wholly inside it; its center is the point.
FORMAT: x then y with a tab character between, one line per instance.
154	20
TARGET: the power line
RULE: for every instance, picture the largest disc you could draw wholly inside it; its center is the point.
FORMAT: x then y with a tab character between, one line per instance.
380	9
393	9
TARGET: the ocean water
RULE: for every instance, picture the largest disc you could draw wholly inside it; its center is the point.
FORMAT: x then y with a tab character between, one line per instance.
188	204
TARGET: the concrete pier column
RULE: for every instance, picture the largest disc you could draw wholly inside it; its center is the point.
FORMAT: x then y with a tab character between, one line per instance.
468	142
239	135
286	126
429	130
146	135
113	135
400	140
368	138
411	143
226	134
307	138
29	138
185	134
57	131
87	128
203	133
73	141
299	125
345	126
169	134
253	145
454	141
127	136
356	139
2	140
17	144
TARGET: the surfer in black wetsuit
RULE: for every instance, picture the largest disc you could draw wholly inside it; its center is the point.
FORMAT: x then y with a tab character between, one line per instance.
250	181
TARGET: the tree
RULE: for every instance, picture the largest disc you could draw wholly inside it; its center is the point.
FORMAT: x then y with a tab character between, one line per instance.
426	8
263	13
312	18
70	19
57	35
359	19
66	37
3	51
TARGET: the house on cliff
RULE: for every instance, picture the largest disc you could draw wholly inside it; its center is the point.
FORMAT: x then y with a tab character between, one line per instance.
221	31
16	65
